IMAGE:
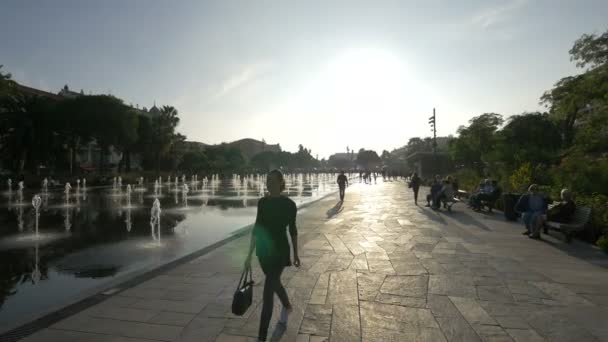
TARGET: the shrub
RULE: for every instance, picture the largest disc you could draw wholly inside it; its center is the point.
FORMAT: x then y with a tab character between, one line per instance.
521	178
602	243
599	213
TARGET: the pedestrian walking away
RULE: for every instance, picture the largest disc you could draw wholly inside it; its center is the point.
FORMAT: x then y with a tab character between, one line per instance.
415	185
342	183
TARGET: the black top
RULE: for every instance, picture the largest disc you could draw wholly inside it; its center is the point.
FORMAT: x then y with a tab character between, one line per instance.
415	182
342	180
274	215
562	212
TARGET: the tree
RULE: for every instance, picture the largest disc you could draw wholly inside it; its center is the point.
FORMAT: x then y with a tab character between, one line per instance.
25	132
574	99
416	144
475	143
164	137
194	161
590	50
368	159
530	137
101	117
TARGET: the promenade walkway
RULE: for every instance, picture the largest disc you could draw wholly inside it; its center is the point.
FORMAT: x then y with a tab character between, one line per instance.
376	269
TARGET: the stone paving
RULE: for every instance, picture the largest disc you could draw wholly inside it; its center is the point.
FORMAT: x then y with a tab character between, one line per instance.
377	268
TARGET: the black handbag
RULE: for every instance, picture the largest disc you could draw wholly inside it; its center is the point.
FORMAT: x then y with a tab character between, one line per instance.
243	295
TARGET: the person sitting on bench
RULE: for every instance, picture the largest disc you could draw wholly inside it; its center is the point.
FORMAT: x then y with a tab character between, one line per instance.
486	193
533	206
435	189
446	193
563	211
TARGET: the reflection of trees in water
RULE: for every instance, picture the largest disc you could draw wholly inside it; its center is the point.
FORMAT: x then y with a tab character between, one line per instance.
94	226
16	268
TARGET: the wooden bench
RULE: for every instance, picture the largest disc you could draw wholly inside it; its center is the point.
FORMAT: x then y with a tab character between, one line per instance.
577	223
461	194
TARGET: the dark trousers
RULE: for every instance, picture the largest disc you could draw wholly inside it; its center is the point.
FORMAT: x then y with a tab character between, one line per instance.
272	285
342	188
415	188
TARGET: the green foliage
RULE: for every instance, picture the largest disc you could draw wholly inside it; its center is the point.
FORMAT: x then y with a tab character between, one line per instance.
602	243
225	158
521	178
195	161
267	160
476	142
590	49
582	173
468	179
599	212
528	137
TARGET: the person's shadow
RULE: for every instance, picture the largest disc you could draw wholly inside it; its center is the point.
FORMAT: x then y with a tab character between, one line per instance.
278	333
335	210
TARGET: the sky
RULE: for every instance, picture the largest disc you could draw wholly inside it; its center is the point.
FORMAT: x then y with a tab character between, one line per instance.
325	74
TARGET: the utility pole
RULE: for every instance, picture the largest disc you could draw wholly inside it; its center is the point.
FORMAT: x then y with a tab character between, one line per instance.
433	123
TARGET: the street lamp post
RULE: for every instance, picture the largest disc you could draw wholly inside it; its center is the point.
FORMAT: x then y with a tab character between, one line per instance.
433	123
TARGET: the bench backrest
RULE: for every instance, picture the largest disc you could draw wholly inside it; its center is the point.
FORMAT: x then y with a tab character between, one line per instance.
581	215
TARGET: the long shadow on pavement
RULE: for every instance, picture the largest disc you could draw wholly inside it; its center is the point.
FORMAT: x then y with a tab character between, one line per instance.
335	210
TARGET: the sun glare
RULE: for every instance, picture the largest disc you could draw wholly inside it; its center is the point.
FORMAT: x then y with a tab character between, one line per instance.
365	81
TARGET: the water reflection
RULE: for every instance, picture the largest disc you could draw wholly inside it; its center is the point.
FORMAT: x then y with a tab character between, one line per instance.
88	235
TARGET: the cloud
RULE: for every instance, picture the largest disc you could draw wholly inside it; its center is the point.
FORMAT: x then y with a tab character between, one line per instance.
494	15
246	75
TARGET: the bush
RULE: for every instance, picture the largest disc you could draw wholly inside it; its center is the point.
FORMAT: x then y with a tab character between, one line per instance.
599	213
468	179
602	243
521	178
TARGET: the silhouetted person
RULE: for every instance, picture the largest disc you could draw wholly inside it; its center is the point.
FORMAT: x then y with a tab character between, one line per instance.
564	210
435	189
415	185
275	213
375	176
533	206
342	183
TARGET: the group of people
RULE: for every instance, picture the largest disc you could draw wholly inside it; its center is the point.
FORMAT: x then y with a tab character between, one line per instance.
488	191
441	191
535	210
367	176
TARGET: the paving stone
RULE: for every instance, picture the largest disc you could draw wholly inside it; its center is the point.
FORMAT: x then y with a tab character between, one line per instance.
359	262
442	306
494	293
380	266
317	320
345	323
411	286
456	328
119	328
524	335
369	285
343	288
452	285
172	318
54	335
472	311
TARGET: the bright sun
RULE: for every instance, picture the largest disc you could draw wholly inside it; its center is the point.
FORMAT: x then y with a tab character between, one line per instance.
363	80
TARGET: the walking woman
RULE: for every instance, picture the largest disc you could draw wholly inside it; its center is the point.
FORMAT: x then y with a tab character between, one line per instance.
269	239
415	185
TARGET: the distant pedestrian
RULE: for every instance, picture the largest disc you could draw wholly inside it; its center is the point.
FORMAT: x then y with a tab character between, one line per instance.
415	185
342	183
269	239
